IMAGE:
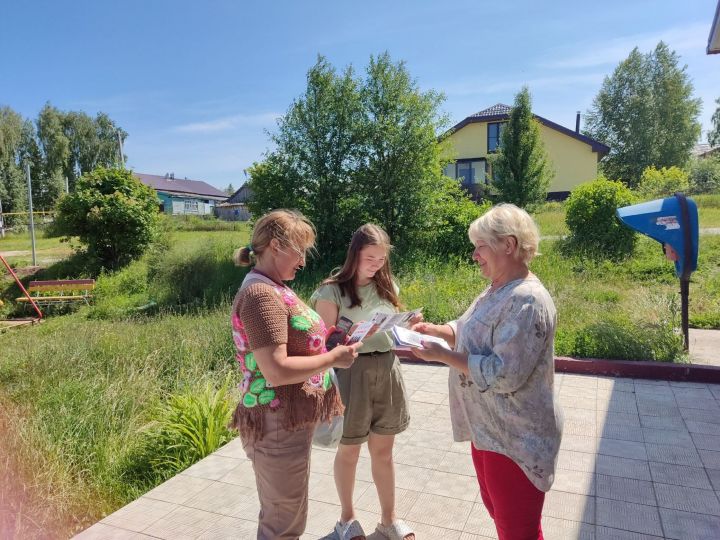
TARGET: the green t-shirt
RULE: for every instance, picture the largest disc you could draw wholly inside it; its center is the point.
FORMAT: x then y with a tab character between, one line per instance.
371	302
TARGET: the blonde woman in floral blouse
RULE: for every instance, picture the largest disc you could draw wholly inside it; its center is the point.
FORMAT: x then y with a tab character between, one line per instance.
286	387
501	374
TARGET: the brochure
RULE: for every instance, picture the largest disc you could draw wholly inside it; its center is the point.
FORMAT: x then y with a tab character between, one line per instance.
383	322
406	339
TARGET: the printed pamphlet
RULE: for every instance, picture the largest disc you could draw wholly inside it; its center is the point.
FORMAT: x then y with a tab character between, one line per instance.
383	322
406	339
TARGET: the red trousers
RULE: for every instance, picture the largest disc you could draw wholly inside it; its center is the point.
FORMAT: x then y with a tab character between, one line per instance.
513	502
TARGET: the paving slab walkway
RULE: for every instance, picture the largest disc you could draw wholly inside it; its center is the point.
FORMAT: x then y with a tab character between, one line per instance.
640	460
705	347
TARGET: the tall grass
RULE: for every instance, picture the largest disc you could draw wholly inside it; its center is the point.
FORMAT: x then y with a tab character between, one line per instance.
203	223
90	387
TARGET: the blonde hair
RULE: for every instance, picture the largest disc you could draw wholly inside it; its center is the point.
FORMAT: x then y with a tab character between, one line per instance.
503	221
289	227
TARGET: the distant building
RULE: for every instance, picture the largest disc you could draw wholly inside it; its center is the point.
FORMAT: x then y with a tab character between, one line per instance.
703	151
183	196
235	208
574	156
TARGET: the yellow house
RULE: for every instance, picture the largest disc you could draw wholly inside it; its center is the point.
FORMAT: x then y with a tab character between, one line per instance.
573	156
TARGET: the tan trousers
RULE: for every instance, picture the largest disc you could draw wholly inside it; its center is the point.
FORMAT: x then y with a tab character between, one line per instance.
281	460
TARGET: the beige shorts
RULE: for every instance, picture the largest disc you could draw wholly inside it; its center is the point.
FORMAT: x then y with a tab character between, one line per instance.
373	393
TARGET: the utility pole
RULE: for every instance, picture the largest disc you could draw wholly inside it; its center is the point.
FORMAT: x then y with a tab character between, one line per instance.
32	221
2	222
120	144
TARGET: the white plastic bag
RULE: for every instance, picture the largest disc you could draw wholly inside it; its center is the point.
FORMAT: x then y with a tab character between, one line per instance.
328	434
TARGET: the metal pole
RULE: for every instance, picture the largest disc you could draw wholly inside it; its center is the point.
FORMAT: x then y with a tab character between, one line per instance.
32	221
684	302
2	222
122	156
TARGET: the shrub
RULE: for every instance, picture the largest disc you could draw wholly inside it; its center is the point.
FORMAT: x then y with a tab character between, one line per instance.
112	213
705	176
446	232
617	337
656	183
594	228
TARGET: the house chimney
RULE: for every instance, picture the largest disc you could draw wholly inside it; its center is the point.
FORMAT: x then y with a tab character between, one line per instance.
172	176
577	122
167	175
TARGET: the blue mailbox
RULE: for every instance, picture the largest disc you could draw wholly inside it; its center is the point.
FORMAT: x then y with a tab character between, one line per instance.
672	221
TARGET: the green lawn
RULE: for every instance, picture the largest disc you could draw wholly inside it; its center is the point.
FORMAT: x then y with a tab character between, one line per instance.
708	210
22	242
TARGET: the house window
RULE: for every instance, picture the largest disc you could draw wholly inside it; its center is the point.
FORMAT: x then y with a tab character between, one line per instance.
449	170
494	133
468	171
191	206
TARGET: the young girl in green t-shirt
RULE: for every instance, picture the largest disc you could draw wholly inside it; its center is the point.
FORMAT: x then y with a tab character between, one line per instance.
372	389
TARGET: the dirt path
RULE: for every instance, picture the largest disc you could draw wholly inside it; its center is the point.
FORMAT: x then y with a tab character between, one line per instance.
14	253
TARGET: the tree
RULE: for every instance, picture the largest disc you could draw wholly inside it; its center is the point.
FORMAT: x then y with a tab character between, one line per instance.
352	150
646	114
317	148
114	215
50	153
13	192
521	170
400	155
230	189
74	143
714	133
58	146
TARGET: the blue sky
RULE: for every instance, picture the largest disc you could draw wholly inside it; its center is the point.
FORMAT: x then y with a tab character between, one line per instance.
197	84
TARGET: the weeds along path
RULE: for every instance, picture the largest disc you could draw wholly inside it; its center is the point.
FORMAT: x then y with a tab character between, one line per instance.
77	397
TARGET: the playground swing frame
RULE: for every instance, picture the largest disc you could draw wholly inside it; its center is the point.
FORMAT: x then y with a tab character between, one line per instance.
22	287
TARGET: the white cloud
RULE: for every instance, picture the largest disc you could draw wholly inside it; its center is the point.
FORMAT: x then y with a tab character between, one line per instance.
692	37
484	86
229	122
119	103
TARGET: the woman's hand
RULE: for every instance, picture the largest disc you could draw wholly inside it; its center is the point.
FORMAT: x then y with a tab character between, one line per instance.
345	355
431	352
434	352
425	327
417	319
443	331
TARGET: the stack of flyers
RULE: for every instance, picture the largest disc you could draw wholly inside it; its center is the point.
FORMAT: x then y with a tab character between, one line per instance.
383	322
408	339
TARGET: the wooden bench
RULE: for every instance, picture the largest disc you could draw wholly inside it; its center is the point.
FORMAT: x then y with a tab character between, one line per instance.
58	292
